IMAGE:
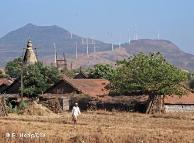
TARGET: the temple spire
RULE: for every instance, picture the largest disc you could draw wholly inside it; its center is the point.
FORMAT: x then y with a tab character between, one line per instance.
29	56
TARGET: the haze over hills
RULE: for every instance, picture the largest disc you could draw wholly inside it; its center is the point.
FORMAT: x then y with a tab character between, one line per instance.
43	37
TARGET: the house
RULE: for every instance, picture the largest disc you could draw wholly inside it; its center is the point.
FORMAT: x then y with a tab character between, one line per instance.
4	83
90	87
13	88
81	75
175	103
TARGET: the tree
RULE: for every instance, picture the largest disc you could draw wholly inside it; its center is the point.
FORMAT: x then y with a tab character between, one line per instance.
104	71
148	74
37	78
13	68
2	74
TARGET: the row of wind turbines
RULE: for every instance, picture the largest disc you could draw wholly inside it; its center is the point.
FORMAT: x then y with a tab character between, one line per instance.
87	42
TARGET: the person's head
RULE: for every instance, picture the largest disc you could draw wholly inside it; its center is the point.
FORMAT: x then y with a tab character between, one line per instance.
76	104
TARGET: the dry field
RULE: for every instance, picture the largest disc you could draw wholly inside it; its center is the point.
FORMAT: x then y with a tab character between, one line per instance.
100	127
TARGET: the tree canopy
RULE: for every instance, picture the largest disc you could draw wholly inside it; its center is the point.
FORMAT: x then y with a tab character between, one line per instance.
13	68
105	71
37	78
150	74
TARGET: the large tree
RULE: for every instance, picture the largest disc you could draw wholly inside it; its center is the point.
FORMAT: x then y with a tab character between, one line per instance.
38	77
149	74
13	68
104	71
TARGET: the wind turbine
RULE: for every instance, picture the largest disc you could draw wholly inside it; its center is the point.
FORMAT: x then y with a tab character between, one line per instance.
112	47
55	54
129	37
76	50
87	48
94	46
158	36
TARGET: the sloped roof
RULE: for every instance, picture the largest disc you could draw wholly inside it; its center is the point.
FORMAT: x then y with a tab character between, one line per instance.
185	99
81	75
5	81
13	87
90	87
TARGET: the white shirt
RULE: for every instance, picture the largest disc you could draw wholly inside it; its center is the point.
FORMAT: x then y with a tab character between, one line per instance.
76	111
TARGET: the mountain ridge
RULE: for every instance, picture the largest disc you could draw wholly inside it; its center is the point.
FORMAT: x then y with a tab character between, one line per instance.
43	37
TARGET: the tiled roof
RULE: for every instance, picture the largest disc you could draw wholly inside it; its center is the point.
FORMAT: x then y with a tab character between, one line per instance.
185	99
91	87
5	81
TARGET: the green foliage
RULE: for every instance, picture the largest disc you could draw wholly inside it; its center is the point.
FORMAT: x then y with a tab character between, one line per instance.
13	68
37	78
191	80
11	109
149	74
104	71
23	104
2	74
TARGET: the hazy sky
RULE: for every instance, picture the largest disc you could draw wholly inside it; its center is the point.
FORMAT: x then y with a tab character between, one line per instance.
106	20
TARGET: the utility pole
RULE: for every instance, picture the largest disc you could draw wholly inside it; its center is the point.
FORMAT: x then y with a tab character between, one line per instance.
22	82
22	77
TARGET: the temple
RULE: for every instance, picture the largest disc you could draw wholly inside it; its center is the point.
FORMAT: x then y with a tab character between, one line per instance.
29	56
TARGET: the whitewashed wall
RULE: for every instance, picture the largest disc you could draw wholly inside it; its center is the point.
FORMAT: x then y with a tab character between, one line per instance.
179	108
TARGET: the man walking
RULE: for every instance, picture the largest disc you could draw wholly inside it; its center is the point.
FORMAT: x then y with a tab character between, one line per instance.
75	113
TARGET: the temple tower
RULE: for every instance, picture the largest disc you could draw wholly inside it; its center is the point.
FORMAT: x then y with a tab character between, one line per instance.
29	56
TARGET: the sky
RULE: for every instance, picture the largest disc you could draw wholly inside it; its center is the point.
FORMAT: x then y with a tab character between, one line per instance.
107	20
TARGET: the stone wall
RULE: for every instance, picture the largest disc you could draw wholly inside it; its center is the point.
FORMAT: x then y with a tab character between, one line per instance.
179	108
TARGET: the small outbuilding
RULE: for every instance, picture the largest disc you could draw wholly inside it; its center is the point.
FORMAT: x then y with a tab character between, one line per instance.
176	103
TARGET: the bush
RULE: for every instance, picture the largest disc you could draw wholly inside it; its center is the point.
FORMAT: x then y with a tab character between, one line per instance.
23	104
16	109
11	109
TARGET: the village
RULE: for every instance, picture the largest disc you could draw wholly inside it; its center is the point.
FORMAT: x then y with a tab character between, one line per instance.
98	106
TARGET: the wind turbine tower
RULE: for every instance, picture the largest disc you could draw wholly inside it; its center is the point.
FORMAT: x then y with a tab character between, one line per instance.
94	46
112	47
87	47
76	55
129	38
55	54
158	36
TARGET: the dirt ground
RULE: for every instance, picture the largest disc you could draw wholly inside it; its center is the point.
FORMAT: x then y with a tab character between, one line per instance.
98	127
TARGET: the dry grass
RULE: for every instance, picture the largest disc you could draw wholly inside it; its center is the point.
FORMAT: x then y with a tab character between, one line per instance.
102	127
